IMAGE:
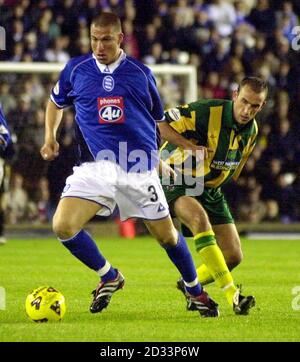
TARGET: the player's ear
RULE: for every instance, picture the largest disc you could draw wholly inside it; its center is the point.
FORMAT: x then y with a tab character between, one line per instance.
262	106
121	37
235	94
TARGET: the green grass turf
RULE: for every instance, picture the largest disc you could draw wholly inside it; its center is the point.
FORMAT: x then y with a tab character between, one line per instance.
149	308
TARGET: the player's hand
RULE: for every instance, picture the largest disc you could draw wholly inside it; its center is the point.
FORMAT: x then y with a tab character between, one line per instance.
201	152
166	170
50	150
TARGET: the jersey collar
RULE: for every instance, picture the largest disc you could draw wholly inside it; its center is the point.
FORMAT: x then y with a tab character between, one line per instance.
110	68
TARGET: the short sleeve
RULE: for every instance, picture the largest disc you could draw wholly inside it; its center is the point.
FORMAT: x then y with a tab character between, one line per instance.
60	94
157	107
4	132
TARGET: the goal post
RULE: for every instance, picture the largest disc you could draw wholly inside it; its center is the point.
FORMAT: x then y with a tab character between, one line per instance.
187	73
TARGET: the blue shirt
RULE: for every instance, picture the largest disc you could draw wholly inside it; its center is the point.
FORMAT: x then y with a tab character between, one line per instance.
116	107
4	132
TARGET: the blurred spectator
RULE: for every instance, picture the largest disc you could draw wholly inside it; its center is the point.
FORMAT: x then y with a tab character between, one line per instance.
7	100
218	57
155	55
149	37
44	210
222	14
284	197
212	88
252	209
284	78
272	211
16	203
17	52
270	176
184	13
262	17
240	11
287	20
58	53
282	142
130	42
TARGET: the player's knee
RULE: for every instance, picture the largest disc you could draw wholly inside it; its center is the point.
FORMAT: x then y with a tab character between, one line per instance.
168	238
234	259
64	229
198	223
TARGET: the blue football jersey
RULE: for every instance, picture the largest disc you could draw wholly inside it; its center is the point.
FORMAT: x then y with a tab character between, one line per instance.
4	132
116	109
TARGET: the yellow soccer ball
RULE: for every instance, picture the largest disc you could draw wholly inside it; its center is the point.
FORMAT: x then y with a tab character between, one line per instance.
45	304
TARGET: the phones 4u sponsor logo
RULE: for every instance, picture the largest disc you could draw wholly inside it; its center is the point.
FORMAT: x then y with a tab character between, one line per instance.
111	110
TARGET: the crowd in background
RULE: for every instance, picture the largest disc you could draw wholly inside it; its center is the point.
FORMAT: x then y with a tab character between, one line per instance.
225	40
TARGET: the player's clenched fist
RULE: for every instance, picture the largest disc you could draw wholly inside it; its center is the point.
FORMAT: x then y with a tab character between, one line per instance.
50	150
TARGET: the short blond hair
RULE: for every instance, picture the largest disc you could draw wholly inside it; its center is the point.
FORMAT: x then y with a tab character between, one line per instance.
107	19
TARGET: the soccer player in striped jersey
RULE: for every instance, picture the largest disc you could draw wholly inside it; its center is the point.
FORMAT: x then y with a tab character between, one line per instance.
226	131
117	105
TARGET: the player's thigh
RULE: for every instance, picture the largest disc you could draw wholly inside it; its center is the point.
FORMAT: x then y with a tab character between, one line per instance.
191	213
163	230
72	214
229	242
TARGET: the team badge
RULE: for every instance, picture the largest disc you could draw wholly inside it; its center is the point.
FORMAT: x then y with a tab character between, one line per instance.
231	155
111	110
108	83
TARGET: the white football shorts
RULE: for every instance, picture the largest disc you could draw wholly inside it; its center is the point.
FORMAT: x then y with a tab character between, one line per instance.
137	195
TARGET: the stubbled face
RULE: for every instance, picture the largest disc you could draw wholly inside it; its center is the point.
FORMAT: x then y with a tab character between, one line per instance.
105	43
246	104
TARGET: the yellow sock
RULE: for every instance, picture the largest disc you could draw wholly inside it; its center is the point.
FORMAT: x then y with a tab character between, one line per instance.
214	264
204	275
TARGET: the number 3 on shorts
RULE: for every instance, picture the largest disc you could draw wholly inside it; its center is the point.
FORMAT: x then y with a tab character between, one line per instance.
154	197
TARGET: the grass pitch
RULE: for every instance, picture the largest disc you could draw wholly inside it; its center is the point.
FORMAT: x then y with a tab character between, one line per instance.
149	308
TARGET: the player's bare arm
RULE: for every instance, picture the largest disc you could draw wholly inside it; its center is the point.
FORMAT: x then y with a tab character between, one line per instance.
171	135
50	149
166	170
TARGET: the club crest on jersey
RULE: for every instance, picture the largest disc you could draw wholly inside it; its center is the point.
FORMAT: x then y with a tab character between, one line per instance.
111	110
108	83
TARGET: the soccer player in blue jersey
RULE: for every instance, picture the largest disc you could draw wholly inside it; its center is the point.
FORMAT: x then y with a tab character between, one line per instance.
117	105
5	150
